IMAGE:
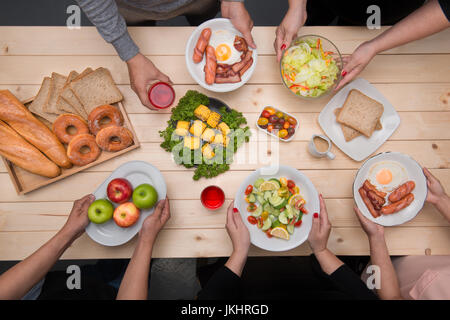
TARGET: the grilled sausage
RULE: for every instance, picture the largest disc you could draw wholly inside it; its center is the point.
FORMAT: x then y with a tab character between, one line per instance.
368	186
246	67
399	205
368	203
402	191
210	65
377	201
201	45
241	64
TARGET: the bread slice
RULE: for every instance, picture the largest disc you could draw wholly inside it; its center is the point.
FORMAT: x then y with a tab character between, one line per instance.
95	89
68	97
41	99
58	82
349	133
360	112
62	104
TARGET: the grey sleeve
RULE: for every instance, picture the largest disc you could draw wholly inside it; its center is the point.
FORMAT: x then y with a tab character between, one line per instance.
105	15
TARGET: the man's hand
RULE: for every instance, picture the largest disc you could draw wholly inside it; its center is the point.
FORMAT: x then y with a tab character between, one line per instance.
142	73
355	63
293	20
155	222
372	229
320	230
78	218
240	18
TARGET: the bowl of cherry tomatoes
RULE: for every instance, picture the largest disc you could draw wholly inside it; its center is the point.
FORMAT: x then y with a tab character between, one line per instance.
277	123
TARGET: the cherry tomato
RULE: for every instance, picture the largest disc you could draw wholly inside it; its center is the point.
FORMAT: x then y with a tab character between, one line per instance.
292	191
283	133
273	119
290	184
270	128
290	131
268	233
304	210
249	189
264	215
281	121
292	121
252	219
260	223
270	110
251	207
286	126
262	121
283	181
279	114
298	223
277	126
265	114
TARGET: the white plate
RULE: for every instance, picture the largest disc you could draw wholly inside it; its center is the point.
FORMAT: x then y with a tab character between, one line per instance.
307	190
196	69
414	171
361	147
136	172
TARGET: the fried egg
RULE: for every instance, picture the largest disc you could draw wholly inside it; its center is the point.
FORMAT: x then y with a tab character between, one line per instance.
387	175
223	43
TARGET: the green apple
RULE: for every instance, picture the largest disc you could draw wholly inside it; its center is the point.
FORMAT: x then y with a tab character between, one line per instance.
145	196
100	211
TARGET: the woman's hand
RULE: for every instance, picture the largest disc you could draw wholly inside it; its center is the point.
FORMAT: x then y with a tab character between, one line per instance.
287	30
436	191
240	18
320	230
142	73
78	217
156	221
372	229
355	63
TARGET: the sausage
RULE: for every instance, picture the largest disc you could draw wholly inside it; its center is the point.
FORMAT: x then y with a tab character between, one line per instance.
376	200
241	64
229	77
399	205
368	186
246	67
210	65
369	205
201	45
402	191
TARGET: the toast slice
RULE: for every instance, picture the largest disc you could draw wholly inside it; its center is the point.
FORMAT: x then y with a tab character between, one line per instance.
349	133
360	112
95	89
68	97
58	82
41	99
62	104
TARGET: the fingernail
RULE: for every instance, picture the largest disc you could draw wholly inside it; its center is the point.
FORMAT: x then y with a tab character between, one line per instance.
283	46
344	73
316	215
235	210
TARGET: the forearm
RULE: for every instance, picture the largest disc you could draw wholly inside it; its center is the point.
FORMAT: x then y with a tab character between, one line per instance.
18	280
134	284
425	21
443	205
379	255
296	4
237	261
328	261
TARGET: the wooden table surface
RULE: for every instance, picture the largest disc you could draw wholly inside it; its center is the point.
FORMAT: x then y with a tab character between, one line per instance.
415	78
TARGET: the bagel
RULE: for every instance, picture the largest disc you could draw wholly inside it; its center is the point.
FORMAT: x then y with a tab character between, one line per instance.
64	122
74	149
114	138
98	115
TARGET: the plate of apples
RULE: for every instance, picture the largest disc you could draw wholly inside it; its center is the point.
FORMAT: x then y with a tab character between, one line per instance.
123	201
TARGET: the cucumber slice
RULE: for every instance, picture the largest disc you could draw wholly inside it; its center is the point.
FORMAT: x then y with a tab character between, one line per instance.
267	195
277	181
257	212
282	217
289	212
267	207
281	205
260	199
276	223
251	198
276	212
267	224
258	182
290	228
272	217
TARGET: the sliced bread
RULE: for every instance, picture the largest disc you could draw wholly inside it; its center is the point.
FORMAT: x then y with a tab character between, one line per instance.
58	82
349	133
41	99
68	97
62	104
95	89
360	112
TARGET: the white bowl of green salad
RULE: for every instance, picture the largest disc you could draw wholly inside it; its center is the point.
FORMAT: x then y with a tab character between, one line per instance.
311	66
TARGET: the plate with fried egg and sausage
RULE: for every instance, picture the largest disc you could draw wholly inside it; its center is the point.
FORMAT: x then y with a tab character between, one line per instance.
390	188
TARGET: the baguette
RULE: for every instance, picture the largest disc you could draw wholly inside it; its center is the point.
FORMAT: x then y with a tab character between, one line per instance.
17	150
17	116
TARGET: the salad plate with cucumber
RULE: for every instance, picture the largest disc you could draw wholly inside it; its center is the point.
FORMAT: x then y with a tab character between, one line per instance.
276	206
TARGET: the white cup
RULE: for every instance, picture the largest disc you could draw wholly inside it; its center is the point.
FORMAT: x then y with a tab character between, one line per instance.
316	153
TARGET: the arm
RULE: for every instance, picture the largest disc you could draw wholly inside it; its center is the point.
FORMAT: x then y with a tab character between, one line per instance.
423	22
379	256
437	195
134	284
287	30
18	280
240	18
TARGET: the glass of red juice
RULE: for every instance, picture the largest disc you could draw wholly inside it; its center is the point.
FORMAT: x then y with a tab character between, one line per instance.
161	95
212	197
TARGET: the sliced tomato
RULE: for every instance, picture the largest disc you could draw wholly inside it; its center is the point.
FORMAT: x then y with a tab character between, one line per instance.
298	223
251	207
249	189
268	233
290	184
265	114
252	219
303	210
260	222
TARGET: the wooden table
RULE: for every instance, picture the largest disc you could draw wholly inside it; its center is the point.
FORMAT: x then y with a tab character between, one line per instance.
415	78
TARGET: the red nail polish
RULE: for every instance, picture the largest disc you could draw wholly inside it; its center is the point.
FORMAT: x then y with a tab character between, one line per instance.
235	210
283	46
343	73
316	215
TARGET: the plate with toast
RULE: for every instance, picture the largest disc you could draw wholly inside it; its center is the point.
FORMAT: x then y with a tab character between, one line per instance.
359	119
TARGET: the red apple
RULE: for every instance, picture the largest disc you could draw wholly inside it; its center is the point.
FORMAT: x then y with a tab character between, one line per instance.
119	190
126	215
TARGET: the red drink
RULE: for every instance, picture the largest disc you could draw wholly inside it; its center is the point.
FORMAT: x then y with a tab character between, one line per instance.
212	197
161	95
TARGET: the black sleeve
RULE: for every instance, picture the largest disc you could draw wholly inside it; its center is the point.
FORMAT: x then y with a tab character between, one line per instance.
349	283
445	6
223	285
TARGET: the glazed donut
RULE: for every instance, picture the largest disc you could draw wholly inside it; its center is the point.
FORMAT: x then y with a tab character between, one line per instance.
114	138
64	122
78	157
104	112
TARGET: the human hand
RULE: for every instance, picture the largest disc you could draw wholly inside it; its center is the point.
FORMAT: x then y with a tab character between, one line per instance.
355	63
372	229
78	218
436	191
156	221
240	18
142	73
237	230
320	230
287	30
